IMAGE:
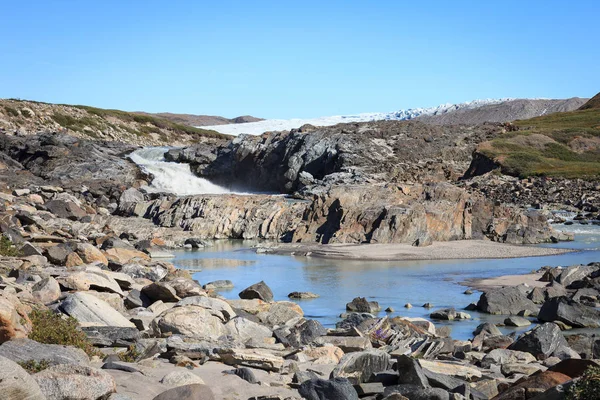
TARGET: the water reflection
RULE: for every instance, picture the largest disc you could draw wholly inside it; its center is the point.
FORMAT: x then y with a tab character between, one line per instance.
391	283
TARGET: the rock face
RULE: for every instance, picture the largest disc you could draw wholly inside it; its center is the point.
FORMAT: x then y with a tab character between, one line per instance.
16	383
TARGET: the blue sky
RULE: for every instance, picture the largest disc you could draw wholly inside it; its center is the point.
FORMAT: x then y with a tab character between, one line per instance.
278	59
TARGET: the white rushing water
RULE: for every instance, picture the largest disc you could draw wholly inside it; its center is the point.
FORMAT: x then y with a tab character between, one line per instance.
176	178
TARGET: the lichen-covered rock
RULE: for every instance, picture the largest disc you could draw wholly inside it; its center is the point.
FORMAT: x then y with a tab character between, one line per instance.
74	382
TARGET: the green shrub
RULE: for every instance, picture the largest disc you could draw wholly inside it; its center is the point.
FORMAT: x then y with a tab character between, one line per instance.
33	366
51	328
587	387
26	113
131	355
7	248
11	111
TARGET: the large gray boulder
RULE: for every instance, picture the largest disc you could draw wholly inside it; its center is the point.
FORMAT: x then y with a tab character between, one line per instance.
505	356
575	273
160	291
74	382
362	305
194	321
65	209
543	340
333	389
91	311
569	312
46	291
506	300
16	383
358	367
23	350
187	392
259	290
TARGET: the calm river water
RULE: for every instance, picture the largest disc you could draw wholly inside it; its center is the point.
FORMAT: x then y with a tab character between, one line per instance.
392	284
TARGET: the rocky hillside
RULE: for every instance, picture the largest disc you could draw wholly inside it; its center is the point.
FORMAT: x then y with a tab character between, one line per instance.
202	120
560	145
382	151
29	117
503	112
593	103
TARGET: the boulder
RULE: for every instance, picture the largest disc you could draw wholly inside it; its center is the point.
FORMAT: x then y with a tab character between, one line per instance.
111	336
188	392
14	322
46	291
191	320
507	300
333	389
124	255
446	314
181	377
218	307
218	285
252	358
160	291
58	254
73	260
65	209
16	383
135	299
362	305
280	313
303	295
575	273
91	279
259	291
74	382
303	333
541	341
246	374
487	329
244	329
537	383
89	310
505	356
22	350
186	288
410	372
569	312
348	344
516	321
358	367
91	254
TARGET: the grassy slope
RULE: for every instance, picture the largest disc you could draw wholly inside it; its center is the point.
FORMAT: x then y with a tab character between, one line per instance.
88	121
555	155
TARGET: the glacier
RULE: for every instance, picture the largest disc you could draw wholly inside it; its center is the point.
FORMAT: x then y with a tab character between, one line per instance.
271	125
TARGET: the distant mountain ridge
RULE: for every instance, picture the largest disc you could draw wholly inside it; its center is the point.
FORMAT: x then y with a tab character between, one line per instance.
506	111
202	120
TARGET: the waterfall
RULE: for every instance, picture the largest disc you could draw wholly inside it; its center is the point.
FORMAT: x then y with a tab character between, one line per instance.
176	178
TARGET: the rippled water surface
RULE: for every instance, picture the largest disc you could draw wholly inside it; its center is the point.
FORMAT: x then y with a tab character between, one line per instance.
392	284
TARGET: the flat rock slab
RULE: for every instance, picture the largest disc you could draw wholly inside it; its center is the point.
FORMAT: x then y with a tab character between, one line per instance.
91	311
22	350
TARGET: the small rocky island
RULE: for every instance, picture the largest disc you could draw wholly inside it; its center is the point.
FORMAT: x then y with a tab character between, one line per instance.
90	308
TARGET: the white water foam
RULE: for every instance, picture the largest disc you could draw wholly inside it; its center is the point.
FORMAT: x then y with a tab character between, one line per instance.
171	177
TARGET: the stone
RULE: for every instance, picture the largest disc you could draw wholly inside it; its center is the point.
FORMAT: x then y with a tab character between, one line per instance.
574	368
246	374
187	392
89	310
244	329
359	366
46	291
16	383
447	314
521	369
259	291
91	279
58	254
366	389
487	329
180	378
135	299
22	350
353	320
186	287
280	313
324	355
74	382
333	389
218	307
348	344
303	295
506	300
111	336
362	305
304	333
219	285
537	383
574	273
517	321
14	322
506	356
125	255
29	249
65	209
191	320
541	341
569	312
450	368
303	376
119	365
160	291
73	260
91	254
253	358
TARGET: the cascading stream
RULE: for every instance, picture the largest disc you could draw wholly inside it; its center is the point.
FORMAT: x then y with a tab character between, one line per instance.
176	178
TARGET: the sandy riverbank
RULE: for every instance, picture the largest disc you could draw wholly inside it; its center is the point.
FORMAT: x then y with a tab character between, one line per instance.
532	280
459	249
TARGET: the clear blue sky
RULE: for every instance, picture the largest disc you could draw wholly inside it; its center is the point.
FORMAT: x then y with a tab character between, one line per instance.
283	59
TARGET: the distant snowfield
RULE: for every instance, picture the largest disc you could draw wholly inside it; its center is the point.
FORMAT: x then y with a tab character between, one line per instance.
269	125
